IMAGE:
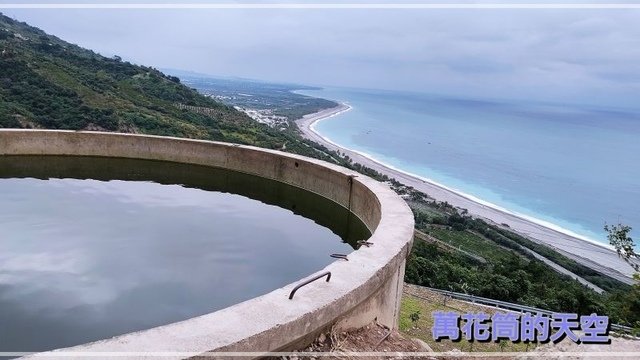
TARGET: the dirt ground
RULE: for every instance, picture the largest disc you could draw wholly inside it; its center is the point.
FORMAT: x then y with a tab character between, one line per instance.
373	338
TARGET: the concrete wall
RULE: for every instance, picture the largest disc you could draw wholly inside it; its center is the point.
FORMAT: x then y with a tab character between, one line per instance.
367	287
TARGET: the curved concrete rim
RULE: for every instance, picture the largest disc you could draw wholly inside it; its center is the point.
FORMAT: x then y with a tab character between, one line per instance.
368	287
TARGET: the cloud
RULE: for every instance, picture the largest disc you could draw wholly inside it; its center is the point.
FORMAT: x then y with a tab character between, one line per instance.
562	55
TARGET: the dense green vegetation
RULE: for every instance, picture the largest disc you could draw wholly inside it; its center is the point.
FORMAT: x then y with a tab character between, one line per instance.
509	240
510	273
503	277
48	83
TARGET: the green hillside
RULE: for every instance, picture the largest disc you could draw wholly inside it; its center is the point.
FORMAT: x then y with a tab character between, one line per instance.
46	82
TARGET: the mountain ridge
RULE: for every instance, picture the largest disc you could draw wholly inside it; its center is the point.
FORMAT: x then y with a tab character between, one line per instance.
46	82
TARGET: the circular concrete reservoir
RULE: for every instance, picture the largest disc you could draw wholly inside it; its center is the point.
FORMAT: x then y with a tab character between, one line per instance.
96	247
153	240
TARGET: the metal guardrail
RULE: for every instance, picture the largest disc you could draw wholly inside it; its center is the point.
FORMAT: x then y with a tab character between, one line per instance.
508	306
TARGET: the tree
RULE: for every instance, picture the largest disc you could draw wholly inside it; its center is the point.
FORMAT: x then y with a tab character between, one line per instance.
618	236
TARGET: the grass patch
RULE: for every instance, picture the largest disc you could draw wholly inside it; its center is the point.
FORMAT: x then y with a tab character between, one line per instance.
421	329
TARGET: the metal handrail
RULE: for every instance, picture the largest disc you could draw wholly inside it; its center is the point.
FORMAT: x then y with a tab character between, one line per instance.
309	281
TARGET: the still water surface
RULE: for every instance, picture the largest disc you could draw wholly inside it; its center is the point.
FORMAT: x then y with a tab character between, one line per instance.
95	247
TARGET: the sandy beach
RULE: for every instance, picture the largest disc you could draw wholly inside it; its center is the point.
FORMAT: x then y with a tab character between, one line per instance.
597	256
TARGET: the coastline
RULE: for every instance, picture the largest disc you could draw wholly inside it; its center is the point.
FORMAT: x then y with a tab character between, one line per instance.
592	254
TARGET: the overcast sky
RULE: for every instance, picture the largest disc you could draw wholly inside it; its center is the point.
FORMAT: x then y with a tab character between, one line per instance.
589	56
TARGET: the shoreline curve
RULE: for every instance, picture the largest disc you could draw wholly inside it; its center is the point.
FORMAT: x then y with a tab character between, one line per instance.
598	256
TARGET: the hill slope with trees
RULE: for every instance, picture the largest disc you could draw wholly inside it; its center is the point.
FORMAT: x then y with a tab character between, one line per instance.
46	82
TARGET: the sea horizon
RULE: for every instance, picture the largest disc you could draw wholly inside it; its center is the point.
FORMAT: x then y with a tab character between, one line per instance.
370	110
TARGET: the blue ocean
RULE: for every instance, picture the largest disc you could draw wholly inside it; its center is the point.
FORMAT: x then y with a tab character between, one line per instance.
575	166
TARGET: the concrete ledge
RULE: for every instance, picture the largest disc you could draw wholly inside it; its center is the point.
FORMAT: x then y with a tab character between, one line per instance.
368	287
